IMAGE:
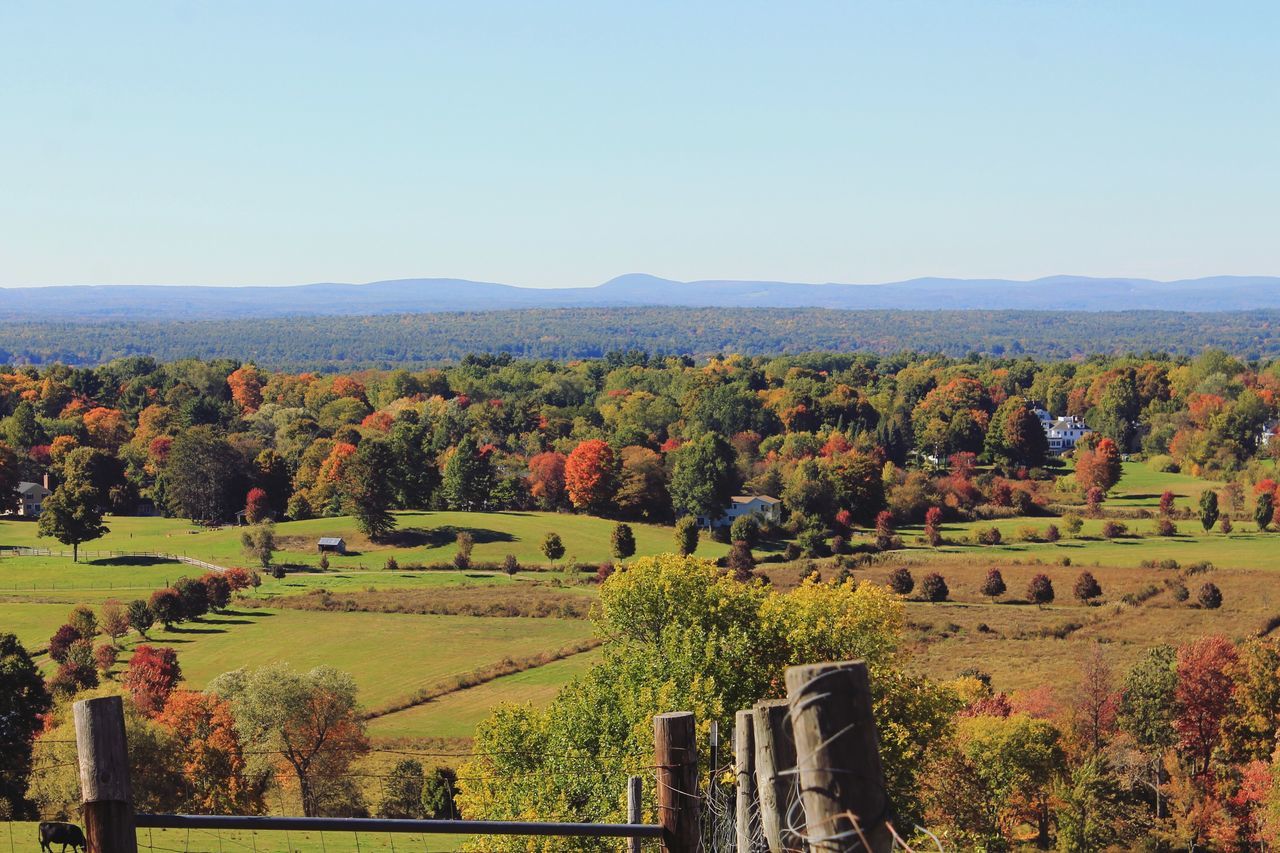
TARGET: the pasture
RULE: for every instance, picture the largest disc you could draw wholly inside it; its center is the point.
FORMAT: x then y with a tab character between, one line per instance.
21	835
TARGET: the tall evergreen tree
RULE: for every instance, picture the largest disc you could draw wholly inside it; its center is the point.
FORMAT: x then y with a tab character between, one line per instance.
468	477
367	490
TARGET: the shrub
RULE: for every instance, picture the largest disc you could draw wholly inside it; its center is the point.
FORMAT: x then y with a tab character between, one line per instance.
1087	587
391	565
884	530
740	561
602	573
839	545
745	528
1225	525
462	557
1093	500
511	565
1073	524
989	536
277	571
1178	590
1210	596
60	643
1166	527
623	540
1029	533
901	582
812	542
1040	590
791	552
934	588
1113	530
993	586
1051	533
105	657
1162	464
140	617
686	535
324	567
1199	568
933	526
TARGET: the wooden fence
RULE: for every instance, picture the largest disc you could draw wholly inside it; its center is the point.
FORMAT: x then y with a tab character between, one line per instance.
836	799
98	555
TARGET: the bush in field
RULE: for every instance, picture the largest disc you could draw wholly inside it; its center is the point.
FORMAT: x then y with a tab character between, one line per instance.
1051	533
1040	590
884	530
1166	527
60	643
813	542
1087	587
510	564
1093	500
1073	524
166	606
1028	533
990	536
993	586
686	535
623	541
1178	590
1264	512
140	617
391	564
1166	503
105	657
462	556
1210	596
933	526
901	582
839	545
740	561
1208	509
934	588
791	552
1113	530
745	528
1225	525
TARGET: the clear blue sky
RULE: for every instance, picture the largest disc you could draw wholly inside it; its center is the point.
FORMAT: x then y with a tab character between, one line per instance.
557	143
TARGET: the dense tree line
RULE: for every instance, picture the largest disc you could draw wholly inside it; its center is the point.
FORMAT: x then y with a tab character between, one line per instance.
840	438
417	340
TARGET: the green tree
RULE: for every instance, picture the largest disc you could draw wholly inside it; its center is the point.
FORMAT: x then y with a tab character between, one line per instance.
468	477
686	533
260	543
203	476
1091	807
1015	436
1148	707
73	514
1208	509
367	489
23	701
1264	511
745	528
624	541
403	790
310	720
552	547
703	477
140	617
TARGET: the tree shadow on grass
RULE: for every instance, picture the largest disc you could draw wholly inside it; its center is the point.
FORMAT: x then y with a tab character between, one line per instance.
437	537
128	561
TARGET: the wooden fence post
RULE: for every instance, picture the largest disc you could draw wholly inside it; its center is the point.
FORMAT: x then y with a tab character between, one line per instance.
744	763
775	775
838	754
104	775
675	757
633	811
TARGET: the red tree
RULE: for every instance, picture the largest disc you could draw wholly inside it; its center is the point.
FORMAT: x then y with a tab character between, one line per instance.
1166	503
257	506
933	526
1203	695
1098	466
246	388
151	677
884	530
546	478
589	475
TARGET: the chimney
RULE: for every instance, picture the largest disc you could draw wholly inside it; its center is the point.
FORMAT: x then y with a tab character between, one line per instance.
45	482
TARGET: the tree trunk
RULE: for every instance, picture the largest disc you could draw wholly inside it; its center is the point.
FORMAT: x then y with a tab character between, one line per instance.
75	552
304	789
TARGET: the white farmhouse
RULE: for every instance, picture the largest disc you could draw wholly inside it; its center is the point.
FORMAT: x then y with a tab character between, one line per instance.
765	507
1063	433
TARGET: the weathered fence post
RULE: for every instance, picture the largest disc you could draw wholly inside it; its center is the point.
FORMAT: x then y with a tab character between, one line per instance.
775	775
633	811
744	764
675	757
838	755
104	775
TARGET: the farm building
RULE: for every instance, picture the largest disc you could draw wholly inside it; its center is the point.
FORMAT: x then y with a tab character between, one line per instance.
331	545
766	507
31	498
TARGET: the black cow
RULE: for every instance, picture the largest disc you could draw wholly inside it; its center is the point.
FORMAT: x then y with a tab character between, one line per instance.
66	834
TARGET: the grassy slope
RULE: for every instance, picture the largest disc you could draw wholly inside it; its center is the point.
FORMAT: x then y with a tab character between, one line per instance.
457	714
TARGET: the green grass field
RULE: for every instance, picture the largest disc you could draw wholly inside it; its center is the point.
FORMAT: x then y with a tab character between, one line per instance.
1140	486
391	655
423	537
457	714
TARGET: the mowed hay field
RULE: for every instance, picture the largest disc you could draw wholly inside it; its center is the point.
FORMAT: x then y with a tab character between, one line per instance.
21	836
1023	646
421	537
391	655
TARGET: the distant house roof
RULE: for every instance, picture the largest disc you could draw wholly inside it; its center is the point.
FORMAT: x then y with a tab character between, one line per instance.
330	540
746	499
32	489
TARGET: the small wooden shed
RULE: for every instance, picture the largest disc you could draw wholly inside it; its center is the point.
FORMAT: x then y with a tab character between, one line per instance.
331	545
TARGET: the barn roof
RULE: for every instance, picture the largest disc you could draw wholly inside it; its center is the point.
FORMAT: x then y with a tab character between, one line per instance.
330	540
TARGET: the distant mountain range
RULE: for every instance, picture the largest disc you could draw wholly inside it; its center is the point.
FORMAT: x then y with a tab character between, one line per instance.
411	296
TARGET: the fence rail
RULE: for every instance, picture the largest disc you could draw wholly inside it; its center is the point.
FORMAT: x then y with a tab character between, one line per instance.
420	827
97	555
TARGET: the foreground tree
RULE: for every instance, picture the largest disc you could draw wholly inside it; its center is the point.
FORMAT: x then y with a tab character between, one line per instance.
310	722
23	701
